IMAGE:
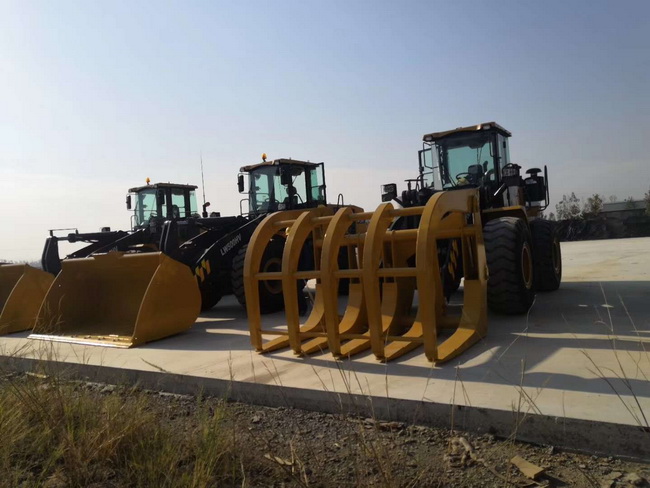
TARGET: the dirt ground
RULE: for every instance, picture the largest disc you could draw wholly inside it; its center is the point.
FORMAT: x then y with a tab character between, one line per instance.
318	449
252	446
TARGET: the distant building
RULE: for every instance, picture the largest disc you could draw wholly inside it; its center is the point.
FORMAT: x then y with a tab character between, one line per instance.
633	206
626	219
615	220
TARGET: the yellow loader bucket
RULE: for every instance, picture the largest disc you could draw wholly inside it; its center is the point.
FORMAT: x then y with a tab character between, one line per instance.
386	267
119	300
22	290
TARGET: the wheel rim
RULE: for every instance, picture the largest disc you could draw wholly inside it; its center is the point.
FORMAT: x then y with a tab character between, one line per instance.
271	266
526	266
557	260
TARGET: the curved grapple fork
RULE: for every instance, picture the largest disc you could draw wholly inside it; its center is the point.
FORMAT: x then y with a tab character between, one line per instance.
347	333
302	228
385	267
388	258
297	226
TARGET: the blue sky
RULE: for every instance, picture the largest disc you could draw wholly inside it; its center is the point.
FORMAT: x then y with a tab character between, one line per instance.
96	96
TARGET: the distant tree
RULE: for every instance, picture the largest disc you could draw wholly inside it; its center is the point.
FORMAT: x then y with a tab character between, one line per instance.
593	205
568	208
613	198
630	204
646	199
551	216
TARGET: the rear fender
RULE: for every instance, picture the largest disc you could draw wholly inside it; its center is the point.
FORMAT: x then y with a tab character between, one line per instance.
212	267
496	213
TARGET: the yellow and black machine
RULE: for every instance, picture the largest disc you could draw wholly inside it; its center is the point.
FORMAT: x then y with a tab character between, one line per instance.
108	290
127	288
469	217
115	290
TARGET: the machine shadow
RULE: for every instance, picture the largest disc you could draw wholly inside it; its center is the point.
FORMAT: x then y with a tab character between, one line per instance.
601	322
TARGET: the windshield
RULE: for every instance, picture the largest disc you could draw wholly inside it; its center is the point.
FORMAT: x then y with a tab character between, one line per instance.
266	191
145	206
466	160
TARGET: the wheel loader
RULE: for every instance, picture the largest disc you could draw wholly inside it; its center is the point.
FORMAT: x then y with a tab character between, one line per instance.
468	217
151	205
522	249
152	282
23	288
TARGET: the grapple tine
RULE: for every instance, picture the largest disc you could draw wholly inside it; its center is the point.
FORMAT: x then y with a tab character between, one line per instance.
307	228
296	226
472	323
354	319
309	224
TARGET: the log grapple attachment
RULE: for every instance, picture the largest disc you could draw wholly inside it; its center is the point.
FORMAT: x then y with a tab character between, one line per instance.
396	301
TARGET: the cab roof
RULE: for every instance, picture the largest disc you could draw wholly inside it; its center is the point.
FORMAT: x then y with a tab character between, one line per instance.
162	185
277	162
485	126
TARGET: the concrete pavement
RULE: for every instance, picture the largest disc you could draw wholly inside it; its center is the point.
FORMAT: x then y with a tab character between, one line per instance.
582	352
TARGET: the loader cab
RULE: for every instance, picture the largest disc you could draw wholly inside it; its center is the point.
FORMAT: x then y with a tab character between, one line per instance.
465	156
478	156
283	184
153	204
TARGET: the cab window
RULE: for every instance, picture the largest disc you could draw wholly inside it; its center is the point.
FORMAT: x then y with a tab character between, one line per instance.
468	159
145	206
178	209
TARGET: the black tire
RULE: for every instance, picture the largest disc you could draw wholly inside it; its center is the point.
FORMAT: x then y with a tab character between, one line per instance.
547	255
508	248
209	298
271	297
237	275
344	283
451	268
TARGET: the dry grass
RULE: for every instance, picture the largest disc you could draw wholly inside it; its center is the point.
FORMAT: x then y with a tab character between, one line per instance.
57	433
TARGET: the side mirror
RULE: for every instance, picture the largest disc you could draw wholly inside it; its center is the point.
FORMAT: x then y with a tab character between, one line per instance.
388	192
240	183
205	209
128	202
285	176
